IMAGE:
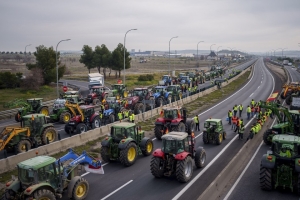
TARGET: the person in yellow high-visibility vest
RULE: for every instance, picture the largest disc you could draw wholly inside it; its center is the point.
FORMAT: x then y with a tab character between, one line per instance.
120	116
196	120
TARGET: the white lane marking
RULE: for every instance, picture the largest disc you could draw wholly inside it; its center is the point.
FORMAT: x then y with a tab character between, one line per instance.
199	134
261	82
251	94
153	139
116	190
86	173
258	87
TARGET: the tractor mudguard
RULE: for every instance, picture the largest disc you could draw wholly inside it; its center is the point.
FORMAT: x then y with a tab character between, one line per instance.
158	153
93	116
297	165
270	164
38	186
143	143
14	185
106	142
122	145
166	95
182	155
71	185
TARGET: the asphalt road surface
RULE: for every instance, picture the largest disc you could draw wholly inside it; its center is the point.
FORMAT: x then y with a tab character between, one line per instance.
248	187
137	182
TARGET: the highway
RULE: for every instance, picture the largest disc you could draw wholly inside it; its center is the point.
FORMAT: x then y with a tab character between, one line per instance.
137	182
83	87
248	186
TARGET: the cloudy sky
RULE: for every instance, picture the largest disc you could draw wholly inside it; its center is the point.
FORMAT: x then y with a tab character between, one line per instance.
246	25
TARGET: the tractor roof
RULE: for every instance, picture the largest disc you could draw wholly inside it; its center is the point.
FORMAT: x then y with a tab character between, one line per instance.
37	99
36	115
296	112
140	88
124	124
72	92
283	138
98	86
172	108
36	162
161	87
175	136
118	84
213	120
86	106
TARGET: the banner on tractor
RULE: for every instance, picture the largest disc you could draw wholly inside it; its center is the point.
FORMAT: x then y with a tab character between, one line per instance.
272	97
91	169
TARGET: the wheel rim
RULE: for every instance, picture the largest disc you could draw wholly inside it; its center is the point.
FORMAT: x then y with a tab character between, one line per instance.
220	137
202	159
82	129
149	147
50	136
188	169
97	124
131	154
81	190
66	118
45	111
23	147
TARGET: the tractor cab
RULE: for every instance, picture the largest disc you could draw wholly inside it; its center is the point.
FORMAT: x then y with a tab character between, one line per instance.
98	90
35	103
171	113
213	124
286	146
34	122
123	131
175	143
58	104
142	93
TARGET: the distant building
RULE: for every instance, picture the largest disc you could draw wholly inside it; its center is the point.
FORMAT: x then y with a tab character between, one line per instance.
212	56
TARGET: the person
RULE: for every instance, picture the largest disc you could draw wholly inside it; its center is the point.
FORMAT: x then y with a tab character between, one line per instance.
252	102
234	122
120	115
196	120
238	124
252	111
241	132
132	117
248	112
229	117
240	110
235	109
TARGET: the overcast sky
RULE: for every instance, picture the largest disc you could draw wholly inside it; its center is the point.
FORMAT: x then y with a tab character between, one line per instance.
247	25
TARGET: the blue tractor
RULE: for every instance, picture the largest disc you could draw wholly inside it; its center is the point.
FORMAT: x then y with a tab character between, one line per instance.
110	112
165	80
185	80
161	95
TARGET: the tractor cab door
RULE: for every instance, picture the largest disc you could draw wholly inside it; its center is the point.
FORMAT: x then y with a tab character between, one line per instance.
48	174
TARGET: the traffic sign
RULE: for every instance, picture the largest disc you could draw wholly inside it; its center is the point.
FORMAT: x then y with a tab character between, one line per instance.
65	88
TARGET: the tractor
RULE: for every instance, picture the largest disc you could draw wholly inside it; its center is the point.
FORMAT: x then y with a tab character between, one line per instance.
165	80
176	157
73	97
280	167
207	76
125	143
214	132
61	111
119	91
135	101
161	95
85	119
173	119
34	131
289	89
175	91
111	110
97	95
30	106
185	80
44	177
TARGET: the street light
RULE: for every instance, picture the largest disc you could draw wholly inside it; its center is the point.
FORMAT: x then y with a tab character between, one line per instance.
197	50
25	52
27	46
57	66
211	46
124	49
169	53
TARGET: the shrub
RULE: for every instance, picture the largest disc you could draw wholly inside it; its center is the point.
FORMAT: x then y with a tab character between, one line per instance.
147	77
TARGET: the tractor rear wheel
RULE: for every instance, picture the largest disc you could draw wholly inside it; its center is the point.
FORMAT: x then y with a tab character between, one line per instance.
266	137
49	133
158	131
180	127
105	154
44	194
265	178
111	118
129	154
288	100
205	137
184	169
96	122
200	158
8	194
80	128
44	110
96	102
65	117
219	138
156	167
148	148
80	189
21	146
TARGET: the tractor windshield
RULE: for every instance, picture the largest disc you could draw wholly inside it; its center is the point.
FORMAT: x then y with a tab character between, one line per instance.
165	77
59	103
159	89
170	114
138	93
26	175
116	87
46	173
285	150
118	132
173	146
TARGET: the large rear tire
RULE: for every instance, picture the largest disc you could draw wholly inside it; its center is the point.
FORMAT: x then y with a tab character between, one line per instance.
65	117
156	167
219	138
200	158
158	131
105	155
96	122
190	126
288	99
180	127
80	189
148	148
49	133
128	155
44	194
80	128
17	117
266	136
265	178
184	169
8	195
205	137
44	110
111	118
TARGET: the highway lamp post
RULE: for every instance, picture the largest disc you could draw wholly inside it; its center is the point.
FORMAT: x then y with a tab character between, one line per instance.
230	51
124	50
170	53
197	50
57	66
218	51
25	51
282	49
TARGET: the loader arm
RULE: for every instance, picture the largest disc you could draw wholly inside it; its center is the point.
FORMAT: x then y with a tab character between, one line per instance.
72	107
9	132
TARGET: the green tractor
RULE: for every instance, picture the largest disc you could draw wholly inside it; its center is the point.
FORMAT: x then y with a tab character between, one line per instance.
30	106
119	91
34	131
175	91
280	167
73	97
45	178
214	131
61	111
125	142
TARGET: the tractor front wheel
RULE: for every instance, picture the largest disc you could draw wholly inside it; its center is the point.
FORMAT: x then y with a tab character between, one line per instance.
44	194
65	117
158	130
17	117
44	110
111	118
266	137
265	178
105	154
224	135
156	167
205	137
184	169
8	194
80	189
80	128
180	127
148	148
129	154
49	133
219	138
21	146
200	158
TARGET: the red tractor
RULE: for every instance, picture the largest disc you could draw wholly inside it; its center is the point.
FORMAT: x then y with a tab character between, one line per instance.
173	119
135	102
97	94
176	157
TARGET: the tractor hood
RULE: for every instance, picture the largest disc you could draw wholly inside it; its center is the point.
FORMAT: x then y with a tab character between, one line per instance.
156	95
132	100
108	112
